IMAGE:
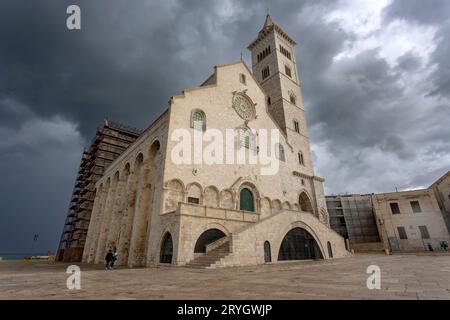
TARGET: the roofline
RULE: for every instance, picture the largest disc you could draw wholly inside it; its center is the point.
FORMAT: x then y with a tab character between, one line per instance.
446	175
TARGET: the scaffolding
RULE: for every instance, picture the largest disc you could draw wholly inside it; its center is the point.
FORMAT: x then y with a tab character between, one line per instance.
352	216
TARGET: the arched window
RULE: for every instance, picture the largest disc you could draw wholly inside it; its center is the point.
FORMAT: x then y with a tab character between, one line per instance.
267	253
269	101
246	200
330	250
300	159
296	126
279	152
293	98
198	120
242	78
247	138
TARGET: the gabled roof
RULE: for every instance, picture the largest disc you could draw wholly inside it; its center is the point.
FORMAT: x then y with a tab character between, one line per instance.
268	27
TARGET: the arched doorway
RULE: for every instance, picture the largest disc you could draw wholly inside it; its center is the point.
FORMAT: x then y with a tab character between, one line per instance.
299	244
208	237
305	203
330	250
166	249
267	253
247	202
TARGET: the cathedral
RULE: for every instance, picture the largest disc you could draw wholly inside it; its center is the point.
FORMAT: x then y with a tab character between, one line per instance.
156	211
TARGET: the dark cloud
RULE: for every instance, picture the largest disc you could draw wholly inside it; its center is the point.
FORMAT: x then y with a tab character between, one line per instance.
374	125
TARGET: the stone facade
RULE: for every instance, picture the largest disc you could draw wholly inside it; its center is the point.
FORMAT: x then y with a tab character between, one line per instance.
441	189
410	220
154	210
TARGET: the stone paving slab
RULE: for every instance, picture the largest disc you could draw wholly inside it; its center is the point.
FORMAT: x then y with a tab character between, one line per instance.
403	277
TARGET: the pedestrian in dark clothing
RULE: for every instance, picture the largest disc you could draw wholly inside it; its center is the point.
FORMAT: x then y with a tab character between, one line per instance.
114	258
109	258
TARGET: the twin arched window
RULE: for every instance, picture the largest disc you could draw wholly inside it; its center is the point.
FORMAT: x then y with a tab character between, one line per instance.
300	159
279	152
198	120
247	138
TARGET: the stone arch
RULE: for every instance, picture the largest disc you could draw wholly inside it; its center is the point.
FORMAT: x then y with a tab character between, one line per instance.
127	169
211	197
306	227
198	120
174	194
266	207
194	193
305	203
286	206
299	244
250	186
166	248
139	160
154	148
276	206
226	199
207	237
295	207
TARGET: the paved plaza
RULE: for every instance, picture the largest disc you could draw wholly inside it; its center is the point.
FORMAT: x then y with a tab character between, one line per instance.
402	277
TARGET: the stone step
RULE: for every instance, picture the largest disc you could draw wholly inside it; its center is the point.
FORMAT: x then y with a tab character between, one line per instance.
210	258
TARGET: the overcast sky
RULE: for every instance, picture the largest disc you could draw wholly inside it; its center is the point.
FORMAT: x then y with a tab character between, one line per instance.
375	75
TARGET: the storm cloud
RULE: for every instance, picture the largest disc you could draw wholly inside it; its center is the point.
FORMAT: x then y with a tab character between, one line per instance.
375	78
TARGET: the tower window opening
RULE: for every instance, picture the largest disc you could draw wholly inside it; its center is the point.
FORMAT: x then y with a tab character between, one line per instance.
300	159
288	71
296	126
265	72
293	99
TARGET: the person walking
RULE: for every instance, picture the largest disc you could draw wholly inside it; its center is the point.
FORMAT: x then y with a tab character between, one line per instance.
109	258
114	258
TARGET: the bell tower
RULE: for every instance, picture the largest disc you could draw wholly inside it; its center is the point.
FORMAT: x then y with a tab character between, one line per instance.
275	68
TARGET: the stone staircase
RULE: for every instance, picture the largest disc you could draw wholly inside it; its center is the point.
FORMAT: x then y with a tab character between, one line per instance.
209	259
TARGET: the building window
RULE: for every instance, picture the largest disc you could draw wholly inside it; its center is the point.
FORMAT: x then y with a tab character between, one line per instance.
246	138
402	233
288	71
424	232
300	159
269	102
198	120
395	209
193	200
242	79
267	253
279	152
415	205
293	99
246	201
342	222
296	126
285	52
265	72
303	182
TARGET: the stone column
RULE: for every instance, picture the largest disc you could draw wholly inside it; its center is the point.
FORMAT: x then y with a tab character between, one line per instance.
114	226
104	223
139	230
127	219
90	236
95	221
